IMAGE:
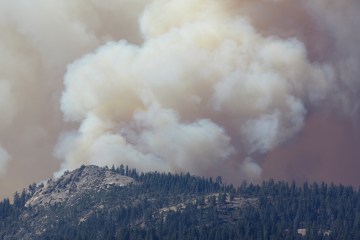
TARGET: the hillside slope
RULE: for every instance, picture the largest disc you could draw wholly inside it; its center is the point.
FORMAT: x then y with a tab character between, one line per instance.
101	203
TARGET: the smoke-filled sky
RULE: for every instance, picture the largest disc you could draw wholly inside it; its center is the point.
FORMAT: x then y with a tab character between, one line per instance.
246	89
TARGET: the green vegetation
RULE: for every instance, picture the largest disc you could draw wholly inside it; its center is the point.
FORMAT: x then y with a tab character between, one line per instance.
181	206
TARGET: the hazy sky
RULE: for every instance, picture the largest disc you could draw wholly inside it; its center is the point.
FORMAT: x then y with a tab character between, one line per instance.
246	89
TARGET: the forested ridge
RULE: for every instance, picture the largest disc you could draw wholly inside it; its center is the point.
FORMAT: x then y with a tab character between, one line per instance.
181	206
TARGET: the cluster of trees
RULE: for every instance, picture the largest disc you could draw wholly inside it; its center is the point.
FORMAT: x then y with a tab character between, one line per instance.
206	209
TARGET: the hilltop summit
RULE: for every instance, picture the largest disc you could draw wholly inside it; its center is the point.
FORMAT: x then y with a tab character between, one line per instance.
72	185
119	203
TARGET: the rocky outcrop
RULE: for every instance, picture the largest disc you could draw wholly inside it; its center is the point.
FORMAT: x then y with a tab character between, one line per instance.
71	185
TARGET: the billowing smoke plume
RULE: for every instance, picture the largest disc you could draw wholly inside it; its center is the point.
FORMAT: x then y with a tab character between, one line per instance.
205	91
37	41
234	88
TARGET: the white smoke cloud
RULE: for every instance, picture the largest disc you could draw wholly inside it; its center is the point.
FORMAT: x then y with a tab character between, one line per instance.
203	84
250	169
37	41
236	79
340	19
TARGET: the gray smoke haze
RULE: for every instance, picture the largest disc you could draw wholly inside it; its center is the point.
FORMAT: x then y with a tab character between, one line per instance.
37	41
233	88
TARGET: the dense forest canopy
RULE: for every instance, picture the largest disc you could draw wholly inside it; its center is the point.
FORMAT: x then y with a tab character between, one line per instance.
181	206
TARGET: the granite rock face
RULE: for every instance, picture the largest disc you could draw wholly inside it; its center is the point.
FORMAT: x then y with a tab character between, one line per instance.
71	185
